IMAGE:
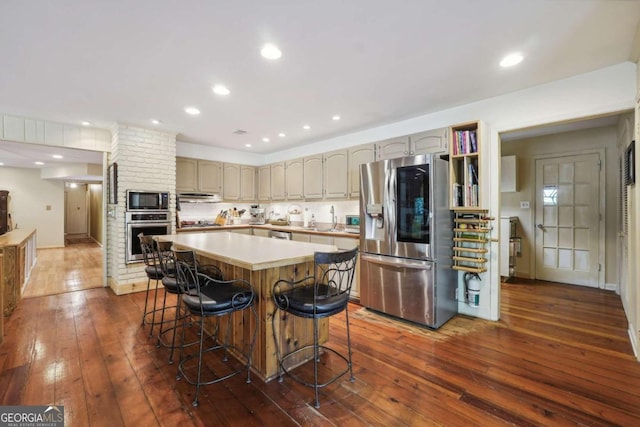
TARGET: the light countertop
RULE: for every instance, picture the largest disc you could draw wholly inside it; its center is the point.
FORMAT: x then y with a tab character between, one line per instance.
16	237
245	251
288	228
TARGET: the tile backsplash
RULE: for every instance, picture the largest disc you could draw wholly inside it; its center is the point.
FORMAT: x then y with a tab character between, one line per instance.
320	210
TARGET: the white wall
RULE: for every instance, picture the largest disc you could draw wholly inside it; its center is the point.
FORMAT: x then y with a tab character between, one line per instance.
526	150
29	196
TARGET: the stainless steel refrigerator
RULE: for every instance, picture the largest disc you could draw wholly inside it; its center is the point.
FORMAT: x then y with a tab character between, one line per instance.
406	239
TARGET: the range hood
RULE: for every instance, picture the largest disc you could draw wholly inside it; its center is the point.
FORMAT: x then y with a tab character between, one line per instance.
199	198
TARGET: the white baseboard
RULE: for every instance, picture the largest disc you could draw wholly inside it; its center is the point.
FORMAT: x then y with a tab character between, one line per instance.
633	337
611	287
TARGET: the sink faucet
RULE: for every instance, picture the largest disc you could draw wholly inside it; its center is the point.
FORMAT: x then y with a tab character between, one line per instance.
334	221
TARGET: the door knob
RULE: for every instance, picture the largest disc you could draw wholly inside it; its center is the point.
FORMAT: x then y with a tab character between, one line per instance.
541	227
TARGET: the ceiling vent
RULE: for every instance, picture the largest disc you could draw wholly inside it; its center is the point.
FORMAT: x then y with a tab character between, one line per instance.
239	132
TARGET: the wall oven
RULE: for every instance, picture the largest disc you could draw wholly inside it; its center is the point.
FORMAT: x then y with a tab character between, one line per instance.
147	201
156	223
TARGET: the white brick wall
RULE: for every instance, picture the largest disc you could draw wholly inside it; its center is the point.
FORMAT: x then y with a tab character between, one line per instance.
146	161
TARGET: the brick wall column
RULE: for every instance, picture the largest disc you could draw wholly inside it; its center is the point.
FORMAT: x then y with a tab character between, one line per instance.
146	161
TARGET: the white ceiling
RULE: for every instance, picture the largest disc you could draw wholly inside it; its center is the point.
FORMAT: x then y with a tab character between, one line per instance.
372	62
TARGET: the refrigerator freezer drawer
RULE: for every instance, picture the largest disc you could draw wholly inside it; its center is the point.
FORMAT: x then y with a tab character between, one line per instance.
399	287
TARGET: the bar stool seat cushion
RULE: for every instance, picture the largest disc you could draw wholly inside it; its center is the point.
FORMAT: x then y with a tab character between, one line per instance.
153	272
218	299
304	301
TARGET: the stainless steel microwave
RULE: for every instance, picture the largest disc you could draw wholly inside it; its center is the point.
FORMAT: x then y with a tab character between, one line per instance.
147	200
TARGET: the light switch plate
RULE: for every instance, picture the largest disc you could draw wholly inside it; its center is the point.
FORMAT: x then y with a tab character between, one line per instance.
524	205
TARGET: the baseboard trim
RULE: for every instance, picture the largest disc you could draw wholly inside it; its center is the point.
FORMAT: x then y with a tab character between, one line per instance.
611	287
634	341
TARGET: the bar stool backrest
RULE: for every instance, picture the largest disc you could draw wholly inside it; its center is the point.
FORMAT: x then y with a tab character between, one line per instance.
336	271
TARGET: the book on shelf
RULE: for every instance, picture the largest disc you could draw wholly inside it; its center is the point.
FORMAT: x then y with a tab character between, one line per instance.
465	142
456	195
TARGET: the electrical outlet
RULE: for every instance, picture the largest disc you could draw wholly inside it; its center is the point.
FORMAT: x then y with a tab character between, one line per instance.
524	205
48	207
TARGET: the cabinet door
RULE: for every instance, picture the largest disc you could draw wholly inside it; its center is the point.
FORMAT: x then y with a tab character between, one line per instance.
294	179
432	141
312	177
264	183
210	176
300	237
186	175
392	148
336	175
320	239
247	183
357	156
260	232
231	181
277	181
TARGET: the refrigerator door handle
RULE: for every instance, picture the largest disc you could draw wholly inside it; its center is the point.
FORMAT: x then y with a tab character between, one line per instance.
398	262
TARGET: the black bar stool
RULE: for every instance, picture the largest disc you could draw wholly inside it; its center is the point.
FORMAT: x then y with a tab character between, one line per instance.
205	296
154	272
317	297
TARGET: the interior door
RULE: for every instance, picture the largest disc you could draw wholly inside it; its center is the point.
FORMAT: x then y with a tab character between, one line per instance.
76	210
567	219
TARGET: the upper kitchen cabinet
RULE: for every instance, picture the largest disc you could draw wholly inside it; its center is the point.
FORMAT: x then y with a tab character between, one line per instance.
231	181
278	190
247	183
264	183
313	183
336	175
210	176
186	175
357	156
392	148
431	141
294	179
198	175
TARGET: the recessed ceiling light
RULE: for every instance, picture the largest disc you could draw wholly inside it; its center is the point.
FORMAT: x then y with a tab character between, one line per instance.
265	140
270	51
39	163
73	185
155	121
85	123
511	60
306	127
1	164
56	156
221	90
282	134
336	117
192	110
247	145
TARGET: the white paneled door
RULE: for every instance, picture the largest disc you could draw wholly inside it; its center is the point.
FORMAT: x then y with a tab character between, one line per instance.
568	219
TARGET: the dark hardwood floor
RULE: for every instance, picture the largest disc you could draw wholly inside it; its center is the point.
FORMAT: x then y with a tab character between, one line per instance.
559	356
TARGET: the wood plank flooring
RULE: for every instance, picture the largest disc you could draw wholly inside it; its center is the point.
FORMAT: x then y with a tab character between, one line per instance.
559	356
75	267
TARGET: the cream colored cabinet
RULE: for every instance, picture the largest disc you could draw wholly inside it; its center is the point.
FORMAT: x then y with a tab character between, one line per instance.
313	177
241	231
264	183
247	183
320	239
392	148
186	175
210	176
508	174
336	175
260	232
431	141
345	243
357	156
294	179
231	181
300	237
278	190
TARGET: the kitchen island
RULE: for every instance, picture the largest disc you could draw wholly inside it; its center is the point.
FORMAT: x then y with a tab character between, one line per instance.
261	261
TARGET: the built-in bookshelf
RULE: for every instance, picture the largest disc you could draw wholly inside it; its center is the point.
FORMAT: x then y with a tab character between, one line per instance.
464	165
470	238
